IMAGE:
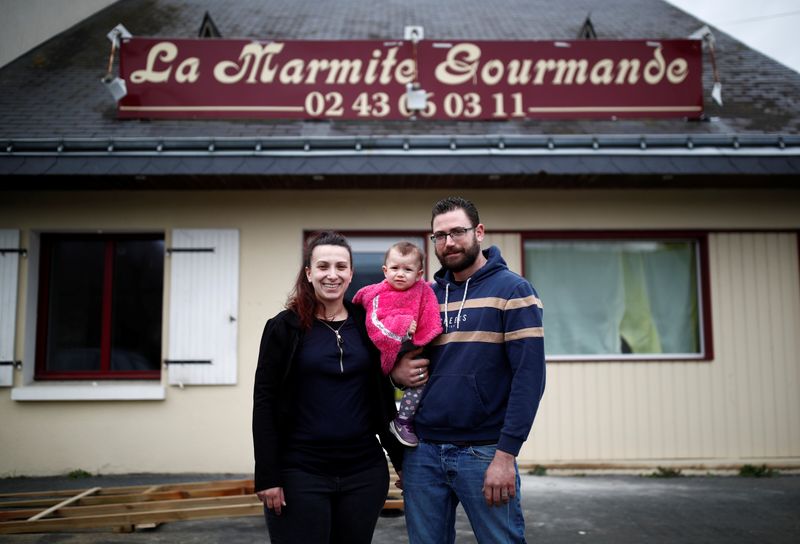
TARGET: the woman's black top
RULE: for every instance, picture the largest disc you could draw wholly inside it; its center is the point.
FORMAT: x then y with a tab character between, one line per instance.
330	432
309	414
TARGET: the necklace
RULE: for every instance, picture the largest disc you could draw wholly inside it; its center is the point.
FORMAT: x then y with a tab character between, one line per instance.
339	341
332	317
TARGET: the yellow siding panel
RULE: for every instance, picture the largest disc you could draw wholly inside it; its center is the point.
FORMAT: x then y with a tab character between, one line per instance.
509	245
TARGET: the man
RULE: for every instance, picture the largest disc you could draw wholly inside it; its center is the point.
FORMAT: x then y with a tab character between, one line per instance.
486	379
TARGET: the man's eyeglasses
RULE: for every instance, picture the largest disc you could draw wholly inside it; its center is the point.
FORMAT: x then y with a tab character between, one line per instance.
456	234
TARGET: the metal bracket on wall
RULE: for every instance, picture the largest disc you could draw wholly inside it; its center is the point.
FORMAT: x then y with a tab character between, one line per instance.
15	364
168	362
171	250
4	250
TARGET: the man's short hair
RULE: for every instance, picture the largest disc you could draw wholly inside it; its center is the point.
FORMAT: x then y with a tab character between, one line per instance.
404	248
452	203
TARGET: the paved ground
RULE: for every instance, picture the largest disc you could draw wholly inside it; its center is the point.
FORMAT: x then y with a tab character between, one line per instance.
595	509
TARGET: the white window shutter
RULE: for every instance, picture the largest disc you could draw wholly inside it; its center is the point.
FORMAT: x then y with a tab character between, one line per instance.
9	273
203	306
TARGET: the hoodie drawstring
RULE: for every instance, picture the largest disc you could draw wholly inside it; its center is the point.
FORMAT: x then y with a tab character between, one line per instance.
446	299
463	299
446	296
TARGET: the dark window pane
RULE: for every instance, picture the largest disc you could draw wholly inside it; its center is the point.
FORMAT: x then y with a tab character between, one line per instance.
367	266
75	308
137	296
101	306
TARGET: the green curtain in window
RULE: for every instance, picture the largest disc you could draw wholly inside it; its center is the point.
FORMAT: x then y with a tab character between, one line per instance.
671	276
637	328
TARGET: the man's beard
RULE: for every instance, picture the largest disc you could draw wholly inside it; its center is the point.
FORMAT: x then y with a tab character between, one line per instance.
468	258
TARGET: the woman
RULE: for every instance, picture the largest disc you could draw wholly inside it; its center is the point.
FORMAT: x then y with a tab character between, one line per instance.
319	400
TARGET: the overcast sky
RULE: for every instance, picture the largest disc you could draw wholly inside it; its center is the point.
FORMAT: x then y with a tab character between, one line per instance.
769	26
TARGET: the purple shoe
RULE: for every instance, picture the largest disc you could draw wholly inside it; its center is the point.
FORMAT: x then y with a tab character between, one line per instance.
404	431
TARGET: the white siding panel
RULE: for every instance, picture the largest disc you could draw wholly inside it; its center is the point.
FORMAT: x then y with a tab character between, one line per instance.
204	295
742	405
9	273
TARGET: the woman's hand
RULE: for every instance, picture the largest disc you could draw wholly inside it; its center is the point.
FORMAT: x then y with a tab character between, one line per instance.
411	372
272	499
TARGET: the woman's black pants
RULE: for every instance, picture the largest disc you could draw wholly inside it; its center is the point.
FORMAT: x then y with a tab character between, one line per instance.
329	510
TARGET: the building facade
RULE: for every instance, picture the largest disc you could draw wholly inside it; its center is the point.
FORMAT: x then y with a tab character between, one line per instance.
141	258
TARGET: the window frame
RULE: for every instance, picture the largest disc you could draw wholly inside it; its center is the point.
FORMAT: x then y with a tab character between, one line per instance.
105	373
706	352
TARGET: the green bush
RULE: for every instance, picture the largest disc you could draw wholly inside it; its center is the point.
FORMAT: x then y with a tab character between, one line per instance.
752	471
78	474
538	470
666	472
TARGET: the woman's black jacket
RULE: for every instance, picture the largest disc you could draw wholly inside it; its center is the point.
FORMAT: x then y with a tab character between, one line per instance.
273	404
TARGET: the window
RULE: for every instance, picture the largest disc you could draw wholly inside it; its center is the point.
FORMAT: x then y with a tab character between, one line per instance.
100	306
620	296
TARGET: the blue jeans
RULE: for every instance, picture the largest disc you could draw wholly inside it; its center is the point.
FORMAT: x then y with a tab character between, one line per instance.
436	477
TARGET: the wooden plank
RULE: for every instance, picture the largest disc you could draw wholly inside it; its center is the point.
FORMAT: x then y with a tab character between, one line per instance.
104	498
32	503
17	514
144	526
79	511
248	483
165	495
23	494
116	520
155	506
98	499
83	511
129	490
67	502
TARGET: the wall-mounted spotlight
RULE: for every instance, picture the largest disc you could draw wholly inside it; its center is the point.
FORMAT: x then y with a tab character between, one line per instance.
416	97
115	85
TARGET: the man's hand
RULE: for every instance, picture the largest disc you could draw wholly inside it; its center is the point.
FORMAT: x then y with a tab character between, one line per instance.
411	372
272	499
499	484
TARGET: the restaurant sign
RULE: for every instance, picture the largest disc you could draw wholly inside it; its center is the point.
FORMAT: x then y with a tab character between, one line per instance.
441	80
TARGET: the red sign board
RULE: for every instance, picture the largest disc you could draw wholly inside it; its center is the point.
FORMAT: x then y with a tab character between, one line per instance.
458	80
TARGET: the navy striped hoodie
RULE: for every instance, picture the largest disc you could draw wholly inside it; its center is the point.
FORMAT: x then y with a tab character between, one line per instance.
487	368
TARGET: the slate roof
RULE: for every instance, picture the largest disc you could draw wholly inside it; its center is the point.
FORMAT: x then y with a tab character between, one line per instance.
52	104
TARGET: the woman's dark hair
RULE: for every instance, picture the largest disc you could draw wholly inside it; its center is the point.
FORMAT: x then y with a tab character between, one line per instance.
453	203
302	300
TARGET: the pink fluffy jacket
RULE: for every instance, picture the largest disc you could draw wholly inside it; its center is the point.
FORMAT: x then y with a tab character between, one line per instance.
390	312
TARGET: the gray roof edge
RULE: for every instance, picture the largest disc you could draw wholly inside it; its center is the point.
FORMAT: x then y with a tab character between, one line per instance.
775	166
641	144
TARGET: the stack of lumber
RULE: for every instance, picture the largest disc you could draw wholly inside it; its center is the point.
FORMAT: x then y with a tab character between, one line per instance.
128	508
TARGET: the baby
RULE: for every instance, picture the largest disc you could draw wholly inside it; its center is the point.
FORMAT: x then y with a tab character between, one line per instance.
402	313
